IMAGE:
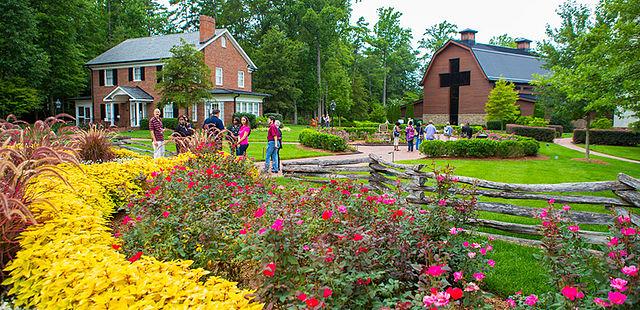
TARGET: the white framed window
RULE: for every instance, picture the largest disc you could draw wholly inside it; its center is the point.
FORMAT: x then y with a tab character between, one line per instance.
84	114
219	76
248	107
194	112
241	79
137	74
223	41
168	111
211	105
108	77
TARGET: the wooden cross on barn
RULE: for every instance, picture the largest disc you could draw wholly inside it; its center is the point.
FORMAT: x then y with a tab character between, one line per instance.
454	79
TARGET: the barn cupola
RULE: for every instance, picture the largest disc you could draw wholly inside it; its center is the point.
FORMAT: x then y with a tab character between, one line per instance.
468	36
523	44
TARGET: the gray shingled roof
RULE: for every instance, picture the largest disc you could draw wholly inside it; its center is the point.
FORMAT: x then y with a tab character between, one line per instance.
225	91
137	93
148	48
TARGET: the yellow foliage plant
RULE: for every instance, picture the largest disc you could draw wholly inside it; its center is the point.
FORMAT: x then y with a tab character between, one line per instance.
70	260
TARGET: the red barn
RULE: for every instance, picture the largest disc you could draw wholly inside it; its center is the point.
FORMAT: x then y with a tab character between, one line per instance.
462	73
124	78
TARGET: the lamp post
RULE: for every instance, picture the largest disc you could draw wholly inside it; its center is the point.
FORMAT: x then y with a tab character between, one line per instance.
332	106
58	105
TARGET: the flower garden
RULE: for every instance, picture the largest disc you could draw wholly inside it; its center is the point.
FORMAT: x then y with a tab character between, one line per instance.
206	230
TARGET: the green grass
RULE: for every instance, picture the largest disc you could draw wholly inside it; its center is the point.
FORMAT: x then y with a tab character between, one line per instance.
257	150
287	136
142	134
567	134
630	152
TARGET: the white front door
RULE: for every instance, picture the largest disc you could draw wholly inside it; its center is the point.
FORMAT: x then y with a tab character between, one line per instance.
137	111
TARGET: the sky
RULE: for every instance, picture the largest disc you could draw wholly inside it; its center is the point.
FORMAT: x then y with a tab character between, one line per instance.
517	18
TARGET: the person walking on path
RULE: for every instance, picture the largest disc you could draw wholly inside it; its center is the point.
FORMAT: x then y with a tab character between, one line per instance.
243	137
278	142
156	129
410	133
419	133
214	120
271	156
430	131
448	132
396	136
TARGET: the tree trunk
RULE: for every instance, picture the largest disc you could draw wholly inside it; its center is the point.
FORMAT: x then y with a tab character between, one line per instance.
295	112
384	81
318	68
586	137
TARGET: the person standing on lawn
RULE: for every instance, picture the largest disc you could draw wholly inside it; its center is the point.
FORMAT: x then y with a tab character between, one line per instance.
410	133
396	136
430	131
234	130
214	120
156	129
243	137
271	156
278	142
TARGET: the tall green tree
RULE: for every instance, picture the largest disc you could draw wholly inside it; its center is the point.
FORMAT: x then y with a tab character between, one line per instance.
434	38
501	103
503	40
185	77
279	75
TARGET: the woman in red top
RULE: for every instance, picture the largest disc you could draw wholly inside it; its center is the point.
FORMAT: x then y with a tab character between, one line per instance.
243	137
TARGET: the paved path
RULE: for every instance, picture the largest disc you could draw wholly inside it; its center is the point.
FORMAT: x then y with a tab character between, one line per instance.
567	142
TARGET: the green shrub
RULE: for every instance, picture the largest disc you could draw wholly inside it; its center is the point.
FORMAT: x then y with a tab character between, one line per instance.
539	133
558	129
602	123
607	137
250	117
277	116
169	123
325	141
365	124
532	121
481	148
495	125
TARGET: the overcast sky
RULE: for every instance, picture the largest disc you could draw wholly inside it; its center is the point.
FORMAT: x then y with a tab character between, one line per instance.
518	18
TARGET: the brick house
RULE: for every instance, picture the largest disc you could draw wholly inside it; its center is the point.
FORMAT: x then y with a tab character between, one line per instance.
462	72
124	78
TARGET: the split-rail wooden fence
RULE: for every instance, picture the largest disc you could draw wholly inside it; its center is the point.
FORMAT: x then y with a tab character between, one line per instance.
384	176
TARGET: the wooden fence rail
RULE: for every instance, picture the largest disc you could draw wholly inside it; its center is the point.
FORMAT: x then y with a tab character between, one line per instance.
387	176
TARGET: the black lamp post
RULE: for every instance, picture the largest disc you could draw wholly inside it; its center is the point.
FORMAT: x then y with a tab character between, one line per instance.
333	107
58	105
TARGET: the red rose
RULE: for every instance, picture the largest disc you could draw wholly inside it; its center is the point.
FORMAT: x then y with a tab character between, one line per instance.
455	292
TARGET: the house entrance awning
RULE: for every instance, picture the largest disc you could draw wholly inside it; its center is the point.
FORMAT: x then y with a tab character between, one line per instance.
133	94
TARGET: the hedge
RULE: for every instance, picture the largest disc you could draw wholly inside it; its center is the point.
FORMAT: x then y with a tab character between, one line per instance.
169	123
480	148
277	116
559	130
539	133
250	117
319	140
607	137
494	125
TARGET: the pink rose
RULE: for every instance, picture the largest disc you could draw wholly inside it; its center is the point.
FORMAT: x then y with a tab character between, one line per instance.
613	242
471	287
574	228
511	303
491	263
631	271
552	201
457	276
453	231
619	284
531	300
435	271
479	276
570	292
277	225
342	209
465	244
566	208
442	202
617	298
600	302
472	254
627	231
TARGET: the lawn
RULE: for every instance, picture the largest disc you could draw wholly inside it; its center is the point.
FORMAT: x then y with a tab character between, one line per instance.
630	152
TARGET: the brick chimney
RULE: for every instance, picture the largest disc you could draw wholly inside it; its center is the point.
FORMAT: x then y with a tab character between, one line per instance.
468	36
523	44
207	28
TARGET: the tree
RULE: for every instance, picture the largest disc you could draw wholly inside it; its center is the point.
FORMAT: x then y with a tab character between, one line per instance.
279	60
185	78
434	38
17	97
501	103
503	40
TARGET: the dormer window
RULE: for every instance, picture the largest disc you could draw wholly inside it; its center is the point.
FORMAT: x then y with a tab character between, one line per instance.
223	41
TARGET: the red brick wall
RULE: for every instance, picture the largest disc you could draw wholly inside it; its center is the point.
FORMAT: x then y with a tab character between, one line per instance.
231	61
526	107
472	97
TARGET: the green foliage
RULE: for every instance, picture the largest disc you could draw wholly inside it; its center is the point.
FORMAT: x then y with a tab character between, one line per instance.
324	141
378	114
185	78
250	116
503	40
532	121
545	134
607	137
511	147
277	116
602	123
501	103
169	123
393	111
18	98
434	38
495	125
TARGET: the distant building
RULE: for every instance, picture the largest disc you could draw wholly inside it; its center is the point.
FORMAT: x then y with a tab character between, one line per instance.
462	72
124	78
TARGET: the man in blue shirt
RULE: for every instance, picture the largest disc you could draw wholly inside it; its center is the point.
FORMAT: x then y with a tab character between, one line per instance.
430	131
214	120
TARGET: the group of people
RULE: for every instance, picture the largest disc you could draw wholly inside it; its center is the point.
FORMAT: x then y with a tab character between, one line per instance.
240	130
416	134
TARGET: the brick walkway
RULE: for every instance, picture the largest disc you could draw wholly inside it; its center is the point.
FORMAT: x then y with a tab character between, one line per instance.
567	142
